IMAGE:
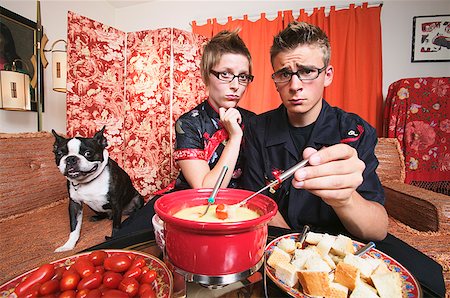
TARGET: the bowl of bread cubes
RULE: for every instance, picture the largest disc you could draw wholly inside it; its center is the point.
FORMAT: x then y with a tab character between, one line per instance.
326	266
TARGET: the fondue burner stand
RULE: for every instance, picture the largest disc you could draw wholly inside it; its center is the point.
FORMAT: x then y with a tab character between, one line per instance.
193	283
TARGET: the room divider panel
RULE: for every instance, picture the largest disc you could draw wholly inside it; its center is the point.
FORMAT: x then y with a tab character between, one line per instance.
136	84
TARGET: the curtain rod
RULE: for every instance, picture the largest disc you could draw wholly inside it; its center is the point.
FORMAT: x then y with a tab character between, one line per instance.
273	15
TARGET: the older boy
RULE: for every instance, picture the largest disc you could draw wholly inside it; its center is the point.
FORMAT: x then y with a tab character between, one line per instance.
339	191
339	188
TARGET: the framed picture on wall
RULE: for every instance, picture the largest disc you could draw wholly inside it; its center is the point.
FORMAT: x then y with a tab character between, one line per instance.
431	39
18	36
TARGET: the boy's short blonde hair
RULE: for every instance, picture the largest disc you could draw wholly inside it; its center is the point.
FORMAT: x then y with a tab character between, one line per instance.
300	33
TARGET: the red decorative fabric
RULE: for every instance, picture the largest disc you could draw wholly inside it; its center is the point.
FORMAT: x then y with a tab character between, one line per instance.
95	90
139	107
417	113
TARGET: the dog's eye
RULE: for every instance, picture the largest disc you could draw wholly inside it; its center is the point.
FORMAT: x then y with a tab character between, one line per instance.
88	153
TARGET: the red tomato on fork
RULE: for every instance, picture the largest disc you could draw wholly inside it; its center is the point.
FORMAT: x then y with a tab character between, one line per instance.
221	211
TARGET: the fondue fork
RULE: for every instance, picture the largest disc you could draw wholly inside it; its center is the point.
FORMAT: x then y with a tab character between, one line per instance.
359	252
219	181
283	176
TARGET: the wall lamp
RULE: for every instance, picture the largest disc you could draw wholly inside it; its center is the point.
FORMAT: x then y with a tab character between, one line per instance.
15	91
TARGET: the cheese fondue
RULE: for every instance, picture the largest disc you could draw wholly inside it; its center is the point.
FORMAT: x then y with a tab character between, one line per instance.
234	214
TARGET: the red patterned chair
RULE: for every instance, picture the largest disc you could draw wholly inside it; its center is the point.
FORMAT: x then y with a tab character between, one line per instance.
417	113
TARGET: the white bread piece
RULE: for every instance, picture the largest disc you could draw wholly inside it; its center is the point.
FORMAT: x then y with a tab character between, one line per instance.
347	275
382	268
302	255
342	246
327	258
363	290
325	244
337	291
313	238
287	273
287	244
278	256
388	285
364	266
317	264
314	283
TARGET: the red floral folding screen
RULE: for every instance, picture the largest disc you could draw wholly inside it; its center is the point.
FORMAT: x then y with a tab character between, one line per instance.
161	82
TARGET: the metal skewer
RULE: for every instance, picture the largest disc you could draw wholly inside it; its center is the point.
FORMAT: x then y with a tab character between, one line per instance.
286	174
219	181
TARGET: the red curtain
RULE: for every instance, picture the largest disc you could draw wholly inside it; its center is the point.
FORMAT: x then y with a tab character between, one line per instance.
355	37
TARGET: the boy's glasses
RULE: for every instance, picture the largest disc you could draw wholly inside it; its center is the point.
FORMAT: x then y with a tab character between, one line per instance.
303	73
225	76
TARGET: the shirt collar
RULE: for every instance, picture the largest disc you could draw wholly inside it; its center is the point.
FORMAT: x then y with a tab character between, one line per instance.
324	131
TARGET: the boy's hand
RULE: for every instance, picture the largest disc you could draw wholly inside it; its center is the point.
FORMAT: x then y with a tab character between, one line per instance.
333	173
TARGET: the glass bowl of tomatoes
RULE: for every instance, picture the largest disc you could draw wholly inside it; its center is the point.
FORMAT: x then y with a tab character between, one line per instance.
100	273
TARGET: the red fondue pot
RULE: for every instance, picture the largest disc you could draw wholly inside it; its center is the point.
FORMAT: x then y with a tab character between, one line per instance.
214	249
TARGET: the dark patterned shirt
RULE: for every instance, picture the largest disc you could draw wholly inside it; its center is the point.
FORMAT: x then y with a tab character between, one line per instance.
200	135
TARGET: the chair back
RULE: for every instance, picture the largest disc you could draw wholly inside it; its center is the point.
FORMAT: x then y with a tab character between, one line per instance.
392	162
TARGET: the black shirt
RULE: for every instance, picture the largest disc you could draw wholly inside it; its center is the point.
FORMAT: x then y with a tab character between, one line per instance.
269	147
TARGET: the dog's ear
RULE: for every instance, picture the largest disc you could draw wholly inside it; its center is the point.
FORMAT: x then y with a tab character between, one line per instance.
58	138
100	138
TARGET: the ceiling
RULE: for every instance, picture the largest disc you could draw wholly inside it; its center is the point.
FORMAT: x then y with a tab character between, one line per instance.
121	4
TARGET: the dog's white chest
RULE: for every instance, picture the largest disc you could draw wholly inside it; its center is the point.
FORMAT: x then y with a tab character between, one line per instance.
94	194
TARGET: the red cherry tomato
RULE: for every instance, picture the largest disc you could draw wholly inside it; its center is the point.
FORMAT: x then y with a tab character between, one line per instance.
68	294
59	273
148	294
138	262
90	282
49	287
115	294
82	293
143	288
130	286
95	293
98	257
221	211
41	275
84	267
69	270
69	281
133	272
99	269
112	279
148	277
32	291
117	263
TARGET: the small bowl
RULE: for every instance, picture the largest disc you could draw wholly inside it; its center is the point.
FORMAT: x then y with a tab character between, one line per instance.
158	227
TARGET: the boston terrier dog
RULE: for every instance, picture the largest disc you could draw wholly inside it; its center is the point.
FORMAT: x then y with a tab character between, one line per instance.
95	179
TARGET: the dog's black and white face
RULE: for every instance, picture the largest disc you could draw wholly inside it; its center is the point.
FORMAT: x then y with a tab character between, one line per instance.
80	159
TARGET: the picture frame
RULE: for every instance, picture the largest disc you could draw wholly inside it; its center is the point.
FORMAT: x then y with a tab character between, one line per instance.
24	33
431	39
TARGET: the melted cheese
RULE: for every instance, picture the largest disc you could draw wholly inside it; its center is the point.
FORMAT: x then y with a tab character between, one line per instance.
194	213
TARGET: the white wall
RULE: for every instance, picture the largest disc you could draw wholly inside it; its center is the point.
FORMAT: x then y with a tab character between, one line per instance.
54	21
396	20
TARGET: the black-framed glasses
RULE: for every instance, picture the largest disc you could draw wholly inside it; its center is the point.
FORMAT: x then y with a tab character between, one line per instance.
225	76
304	73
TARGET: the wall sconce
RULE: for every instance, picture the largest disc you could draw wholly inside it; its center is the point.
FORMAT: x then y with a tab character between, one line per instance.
59	66
15	91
